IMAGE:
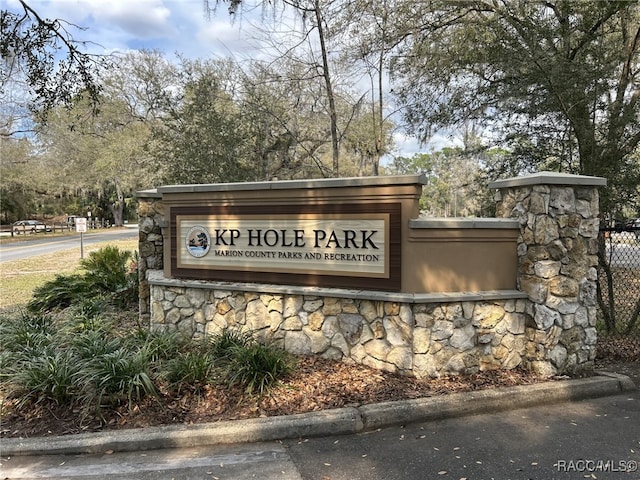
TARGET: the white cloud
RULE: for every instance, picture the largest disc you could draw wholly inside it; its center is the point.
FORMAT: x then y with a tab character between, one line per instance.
168	25
223	38
407	145
139	18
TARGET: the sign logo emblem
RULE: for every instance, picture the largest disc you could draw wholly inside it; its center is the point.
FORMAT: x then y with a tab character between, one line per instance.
198	241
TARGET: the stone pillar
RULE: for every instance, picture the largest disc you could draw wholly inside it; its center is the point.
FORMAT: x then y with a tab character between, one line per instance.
150	244
557	266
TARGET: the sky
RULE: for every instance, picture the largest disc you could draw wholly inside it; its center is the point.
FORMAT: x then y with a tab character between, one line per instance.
167	25
171	26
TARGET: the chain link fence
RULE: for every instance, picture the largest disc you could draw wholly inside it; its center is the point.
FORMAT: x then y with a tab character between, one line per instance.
619	293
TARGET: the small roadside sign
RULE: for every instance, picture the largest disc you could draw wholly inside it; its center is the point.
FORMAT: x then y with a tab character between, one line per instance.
81	225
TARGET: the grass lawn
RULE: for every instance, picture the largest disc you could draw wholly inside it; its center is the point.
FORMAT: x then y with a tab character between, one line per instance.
18	278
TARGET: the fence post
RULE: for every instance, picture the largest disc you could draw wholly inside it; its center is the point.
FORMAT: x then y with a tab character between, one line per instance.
557	266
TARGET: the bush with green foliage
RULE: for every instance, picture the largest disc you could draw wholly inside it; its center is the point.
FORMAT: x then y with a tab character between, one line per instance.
107	268
256	367
108	272
85	360
59	293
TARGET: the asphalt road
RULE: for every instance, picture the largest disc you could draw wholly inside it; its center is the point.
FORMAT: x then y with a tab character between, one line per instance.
594	439
44	244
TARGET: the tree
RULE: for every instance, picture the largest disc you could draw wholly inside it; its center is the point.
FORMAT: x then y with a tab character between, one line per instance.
284	126
287	123
367	24
42	56
18	185
557	77
146	82
102	158
202	139
315	38
454	181
366	139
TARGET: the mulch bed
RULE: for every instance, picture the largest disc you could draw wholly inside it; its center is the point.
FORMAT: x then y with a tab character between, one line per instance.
316	384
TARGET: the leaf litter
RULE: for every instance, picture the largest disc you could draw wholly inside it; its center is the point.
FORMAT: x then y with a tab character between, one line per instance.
316	384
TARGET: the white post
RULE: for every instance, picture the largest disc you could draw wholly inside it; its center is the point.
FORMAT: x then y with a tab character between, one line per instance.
81	227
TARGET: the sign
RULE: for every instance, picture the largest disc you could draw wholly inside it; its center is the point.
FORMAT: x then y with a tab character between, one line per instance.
349	244
300	245
81	224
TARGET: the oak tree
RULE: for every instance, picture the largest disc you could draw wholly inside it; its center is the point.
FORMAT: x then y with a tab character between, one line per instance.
44	59
558	82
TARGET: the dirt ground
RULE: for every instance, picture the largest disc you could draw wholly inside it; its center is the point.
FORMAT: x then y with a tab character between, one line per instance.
316	385
630	369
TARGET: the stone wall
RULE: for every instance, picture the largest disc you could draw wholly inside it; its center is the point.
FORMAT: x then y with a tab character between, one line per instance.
557	257
422	338
547	325
150	245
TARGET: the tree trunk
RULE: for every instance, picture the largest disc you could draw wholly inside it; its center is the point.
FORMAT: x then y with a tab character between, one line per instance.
117	208
335	145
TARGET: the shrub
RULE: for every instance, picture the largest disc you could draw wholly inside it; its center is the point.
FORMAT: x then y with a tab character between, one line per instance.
115	377
192	370
106	269
107	273
59	293
115	271
257	367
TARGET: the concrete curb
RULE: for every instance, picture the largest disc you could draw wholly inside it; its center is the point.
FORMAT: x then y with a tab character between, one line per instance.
328	422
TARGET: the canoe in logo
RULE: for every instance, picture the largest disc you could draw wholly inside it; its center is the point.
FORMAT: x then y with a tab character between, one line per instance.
198	241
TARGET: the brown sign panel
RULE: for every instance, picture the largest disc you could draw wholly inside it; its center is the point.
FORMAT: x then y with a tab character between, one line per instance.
343	246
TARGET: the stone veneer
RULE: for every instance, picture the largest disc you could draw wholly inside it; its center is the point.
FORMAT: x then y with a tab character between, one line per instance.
417	335
557	266
548	326
150	245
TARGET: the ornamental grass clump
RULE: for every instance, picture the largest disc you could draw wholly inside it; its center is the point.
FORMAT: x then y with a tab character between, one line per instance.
49	375
86	360
77	361
34	369
191	370
254	366
160	346
76	347
115	378
258	367
227	342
